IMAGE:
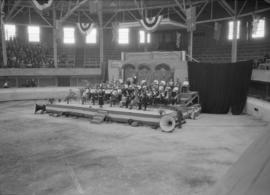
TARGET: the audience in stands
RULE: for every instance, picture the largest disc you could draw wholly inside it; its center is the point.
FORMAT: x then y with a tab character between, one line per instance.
257	63
266	57
29	83
6	85
21	54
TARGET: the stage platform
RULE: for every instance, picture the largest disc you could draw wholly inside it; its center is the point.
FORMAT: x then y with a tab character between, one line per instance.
151	116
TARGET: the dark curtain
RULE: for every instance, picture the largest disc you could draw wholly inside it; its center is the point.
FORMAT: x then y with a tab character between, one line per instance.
221	86
241	77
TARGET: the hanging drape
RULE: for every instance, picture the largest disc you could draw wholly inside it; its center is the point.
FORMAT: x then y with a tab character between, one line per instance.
151	24
221	86
85	28
41	5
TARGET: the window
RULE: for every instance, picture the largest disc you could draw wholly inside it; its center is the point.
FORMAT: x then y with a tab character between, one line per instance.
92	36
10	31
259	30
33	33
123	35
69	35
148	38
230	34
144	37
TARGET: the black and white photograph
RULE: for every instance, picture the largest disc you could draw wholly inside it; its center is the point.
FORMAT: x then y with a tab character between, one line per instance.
135	97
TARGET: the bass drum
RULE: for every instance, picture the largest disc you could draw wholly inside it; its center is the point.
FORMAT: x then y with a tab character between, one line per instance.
167	123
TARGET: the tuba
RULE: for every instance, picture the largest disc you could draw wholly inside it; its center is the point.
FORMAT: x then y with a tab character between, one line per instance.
167	123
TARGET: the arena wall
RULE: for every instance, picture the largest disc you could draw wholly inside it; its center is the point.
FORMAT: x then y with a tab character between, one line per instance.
260	109
15	94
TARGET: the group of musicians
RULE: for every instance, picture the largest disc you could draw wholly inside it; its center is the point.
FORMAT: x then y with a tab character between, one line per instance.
131	94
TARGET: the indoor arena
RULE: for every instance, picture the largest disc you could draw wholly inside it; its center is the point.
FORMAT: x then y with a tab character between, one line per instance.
135	97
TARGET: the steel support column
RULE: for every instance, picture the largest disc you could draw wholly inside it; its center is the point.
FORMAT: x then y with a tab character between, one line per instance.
4	49
234	41
55	35
190	46
101	41
235	32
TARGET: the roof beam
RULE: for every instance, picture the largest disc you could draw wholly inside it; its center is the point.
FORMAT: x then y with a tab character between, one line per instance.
202	9
243	7
16	13
179	14
15	5
86	15
113	16
71	11
43	17
180	6
227	7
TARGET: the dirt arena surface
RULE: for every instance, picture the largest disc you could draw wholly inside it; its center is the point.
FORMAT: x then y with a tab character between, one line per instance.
41	155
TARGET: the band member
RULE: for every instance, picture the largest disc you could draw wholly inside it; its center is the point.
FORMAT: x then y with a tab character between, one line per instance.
93	95
144	100
168	95
185	86
85	95
71	95
123	101
113	97
101	95
135	99
135	79
174	95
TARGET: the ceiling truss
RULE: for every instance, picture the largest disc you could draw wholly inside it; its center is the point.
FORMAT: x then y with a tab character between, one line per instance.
78	10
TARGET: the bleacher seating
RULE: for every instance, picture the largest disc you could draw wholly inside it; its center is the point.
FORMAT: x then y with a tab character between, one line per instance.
222	53
21	54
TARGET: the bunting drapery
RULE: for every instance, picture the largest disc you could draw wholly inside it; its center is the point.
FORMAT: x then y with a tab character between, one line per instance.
151	24
85	28
42	6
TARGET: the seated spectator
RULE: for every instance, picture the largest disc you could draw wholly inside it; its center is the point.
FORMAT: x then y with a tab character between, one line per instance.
22	54
6	85
266	57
